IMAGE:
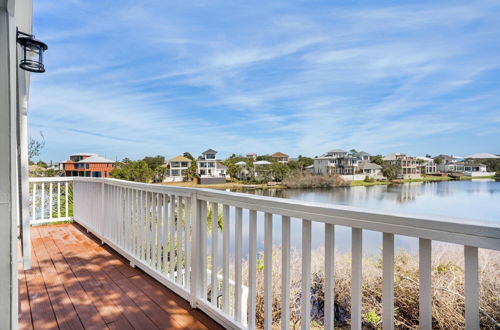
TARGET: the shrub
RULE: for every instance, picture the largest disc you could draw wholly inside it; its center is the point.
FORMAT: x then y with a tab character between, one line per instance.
299	180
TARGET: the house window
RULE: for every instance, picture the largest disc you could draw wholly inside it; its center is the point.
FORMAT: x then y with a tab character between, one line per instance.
209	156
96	174
87	166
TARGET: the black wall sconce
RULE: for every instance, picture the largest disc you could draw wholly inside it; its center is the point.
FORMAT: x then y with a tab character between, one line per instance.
32	57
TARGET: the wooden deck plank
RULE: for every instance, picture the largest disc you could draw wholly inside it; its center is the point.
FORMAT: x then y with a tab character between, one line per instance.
103	303
24	319
178	308
129	308
65	313
83	304
41	309
76	283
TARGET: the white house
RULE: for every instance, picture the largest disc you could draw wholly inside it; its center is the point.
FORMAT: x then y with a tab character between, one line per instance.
178	165
449	164
471	168
336	161
252	156
244	172
209	169
371	170
427	166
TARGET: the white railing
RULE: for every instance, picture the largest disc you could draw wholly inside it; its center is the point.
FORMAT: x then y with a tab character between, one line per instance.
164	231
50	199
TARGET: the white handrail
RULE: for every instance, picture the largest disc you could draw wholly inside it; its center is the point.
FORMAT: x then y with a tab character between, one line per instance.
163	229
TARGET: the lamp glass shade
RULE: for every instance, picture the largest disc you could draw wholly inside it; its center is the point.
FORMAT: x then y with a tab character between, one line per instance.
32	54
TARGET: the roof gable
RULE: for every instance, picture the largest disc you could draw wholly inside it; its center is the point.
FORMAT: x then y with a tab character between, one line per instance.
279	154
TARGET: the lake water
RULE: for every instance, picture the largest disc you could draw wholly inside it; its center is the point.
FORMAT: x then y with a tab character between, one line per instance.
475	200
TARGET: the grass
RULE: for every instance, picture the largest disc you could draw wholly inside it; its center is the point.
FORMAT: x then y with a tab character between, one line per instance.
357	183
309	181
424	178
448	307
227	185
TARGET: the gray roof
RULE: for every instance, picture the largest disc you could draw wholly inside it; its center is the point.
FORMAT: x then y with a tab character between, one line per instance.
241	163
262	162
96	159
363	153
368	165
83	154
221	166
483	156
209	151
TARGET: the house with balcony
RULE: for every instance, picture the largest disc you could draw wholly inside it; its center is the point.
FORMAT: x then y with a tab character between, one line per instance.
427	165
336	161
177	166
88	165
448	163
407	166
209	169
280	157
252	156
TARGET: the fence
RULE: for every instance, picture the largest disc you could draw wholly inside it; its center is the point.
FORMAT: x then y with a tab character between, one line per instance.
173	234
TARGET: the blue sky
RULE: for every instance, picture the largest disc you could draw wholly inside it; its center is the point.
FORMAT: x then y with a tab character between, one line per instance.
136	78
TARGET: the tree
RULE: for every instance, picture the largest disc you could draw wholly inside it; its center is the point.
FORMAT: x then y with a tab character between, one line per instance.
390	171
190	172
159	173
279	171
154	162
188	155
35	147
138	171
264	172
428	156
306	161
233	170
438	161
377	160
41	163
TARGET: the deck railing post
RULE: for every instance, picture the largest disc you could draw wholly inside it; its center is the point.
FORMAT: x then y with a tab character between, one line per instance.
101	223
195	284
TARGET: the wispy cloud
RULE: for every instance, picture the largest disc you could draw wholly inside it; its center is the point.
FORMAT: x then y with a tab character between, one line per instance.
130	79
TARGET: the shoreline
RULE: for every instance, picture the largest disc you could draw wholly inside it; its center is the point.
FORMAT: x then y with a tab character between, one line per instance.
355	183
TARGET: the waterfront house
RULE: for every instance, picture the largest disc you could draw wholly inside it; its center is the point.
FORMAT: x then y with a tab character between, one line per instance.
407	166
336	161
371	170
252	156
244	172
88	165
362	155
448	163
209	169
473	168
427	165
280	157
178	165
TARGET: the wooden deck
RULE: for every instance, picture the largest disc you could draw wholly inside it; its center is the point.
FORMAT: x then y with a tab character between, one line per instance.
75	283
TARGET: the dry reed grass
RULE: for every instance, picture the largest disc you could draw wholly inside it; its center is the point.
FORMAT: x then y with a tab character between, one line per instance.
447	280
